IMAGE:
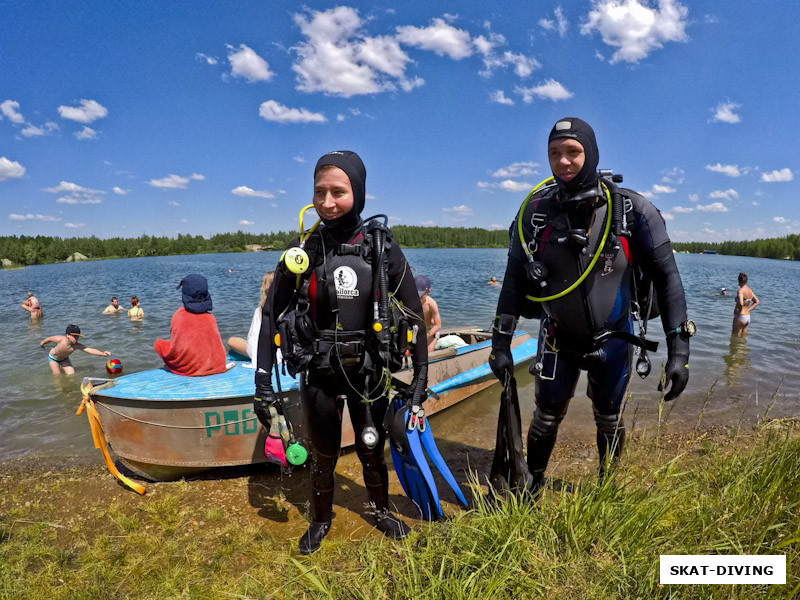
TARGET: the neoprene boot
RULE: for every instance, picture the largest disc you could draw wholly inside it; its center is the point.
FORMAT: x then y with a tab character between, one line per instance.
312	539
542	436
610	441
391	526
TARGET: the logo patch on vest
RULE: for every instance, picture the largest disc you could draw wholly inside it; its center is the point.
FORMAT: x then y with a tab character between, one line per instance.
345	280
608	263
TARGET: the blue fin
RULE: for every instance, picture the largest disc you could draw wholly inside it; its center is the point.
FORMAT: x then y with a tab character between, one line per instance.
413	483
430	447
418	456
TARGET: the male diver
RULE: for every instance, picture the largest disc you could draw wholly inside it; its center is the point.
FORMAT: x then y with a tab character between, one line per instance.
324	306
574	248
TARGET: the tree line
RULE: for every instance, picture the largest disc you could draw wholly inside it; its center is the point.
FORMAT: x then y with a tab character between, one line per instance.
40	249
35	250
785	248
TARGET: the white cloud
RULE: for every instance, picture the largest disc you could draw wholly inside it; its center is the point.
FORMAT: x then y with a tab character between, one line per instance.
340	117
427	224
666	216
495	227
74	225
682	209
713	207
299	158
249	65
458	213
438	37
338	59
79	199
523	65
515	186
500	97
636	29
729	170
674	175
88	111
76	194
243	190
550	89
32	131
726	112
779	175
174	182
516	169
30	217
728	195
560	24
9	109
10	169
87	133
208	59
694	198
272	111
657	190
779	219
119	191
246	222
173	203
484	185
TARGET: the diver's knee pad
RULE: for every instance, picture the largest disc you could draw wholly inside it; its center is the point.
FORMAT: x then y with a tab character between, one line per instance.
544	424
541	439
610	437
322	468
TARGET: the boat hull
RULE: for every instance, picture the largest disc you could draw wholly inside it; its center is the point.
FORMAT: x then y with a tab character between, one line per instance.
166	438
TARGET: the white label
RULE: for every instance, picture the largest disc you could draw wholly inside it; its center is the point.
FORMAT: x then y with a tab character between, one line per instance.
345	280
716	568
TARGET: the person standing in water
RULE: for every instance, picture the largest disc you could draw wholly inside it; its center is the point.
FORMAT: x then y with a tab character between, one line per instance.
746	301
33	307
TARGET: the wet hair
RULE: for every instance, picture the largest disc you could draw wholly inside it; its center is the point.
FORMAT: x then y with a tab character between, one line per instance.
134	301
742	278
266	282
113	298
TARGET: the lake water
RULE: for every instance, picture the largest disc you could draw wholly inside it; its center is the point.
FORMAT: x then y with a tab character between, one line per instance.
37	410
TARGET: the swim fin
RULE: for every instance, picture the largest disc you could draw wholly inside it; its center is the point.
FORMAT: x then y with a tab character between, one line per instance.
433	452
509	470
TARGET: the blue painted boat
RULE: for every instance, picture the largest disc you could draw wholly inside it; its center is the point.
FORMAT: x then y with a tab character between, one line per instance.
164	426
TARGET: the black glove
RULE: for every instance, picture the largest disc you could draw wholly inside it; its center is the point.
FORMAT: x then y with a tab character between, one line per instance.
264	398
676	372
500	360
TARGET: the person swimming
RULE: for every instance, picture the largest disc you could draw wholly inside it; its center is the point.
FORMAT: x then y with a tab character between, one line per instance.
135	313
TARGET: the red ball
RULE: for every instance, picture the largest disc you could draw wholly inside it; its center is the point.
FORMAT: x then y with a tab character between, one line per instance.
113	366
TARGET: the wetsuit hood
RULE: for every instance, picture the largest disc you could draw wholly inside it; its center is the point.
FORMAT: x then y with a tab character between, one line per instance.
581	131
351	164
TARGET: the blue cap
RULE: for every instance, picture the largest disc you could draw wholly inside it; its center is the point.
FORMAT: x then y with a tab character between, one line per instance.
195	296
423	284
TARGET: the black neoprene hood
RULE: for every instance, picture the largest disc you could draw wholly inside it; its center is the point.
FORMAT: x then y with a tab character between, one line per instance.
581	131
351	164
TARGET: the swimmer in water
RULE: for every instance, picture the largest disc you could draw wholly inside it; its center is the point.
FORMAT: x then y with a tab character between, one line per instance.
65	345
135	313
113	308
33	307
492	280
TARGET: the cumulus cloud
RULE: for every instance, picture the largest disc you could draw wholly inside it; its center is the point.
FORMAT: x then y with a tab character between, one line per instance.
729	170
558	24
208	59
74	225
510	185
246	222
438	37
338	59
427	224
243	190
726	113
500	97
174	182
87	133
30	217
713	207
674	175
299	158
76	194
778	175
729	194
682	209
245	63
86	112
516	169
666	216
119	191
10	109
10	169
779	219
458	213
32	131
173	203
273	111
549	89
636	29
658	189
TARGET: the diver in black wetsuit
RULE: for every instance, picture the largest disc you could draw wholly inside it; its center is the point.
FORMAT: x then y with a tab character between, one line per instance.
565	231
330	318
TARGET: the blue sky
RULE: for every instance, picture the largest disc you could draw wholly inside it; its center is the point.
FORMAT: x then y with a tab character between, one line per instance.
159	118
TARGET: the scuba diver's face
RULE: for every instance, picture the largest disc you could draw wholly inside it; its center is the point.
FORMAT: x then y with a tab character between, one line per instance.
333	193
566	158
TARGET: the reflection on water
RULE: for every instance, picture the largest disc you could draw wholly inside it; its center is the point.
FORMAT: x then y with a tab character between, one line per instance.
37	411
737	360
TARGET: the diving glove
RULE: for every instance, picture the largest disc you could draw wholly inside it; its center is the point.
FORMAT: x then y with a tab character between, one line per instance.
676	372
500	360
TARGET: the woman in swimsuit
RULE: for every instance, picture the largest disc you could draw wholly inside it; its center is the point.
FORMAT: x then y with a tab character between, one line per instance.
746	301
135	313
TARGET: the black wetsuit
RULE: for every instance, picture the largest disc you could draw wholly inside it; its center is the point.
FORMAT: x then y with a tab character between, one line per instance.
341	305
571	331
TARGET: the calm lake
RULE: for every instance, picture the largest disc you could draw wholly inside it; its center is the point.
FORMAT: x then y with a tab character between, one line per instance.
37	410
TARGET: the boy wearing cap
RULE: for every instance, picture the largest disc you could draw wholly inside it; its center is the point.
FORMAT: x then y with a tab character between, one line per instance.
65	345
433	322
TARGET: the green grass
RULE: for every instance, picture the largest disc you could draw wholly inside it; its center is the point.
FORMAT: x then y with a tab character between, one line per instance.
727	494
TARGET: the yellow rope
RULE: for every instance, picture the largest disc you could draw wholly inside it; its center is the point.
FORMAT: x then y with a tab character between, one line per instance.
100	437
